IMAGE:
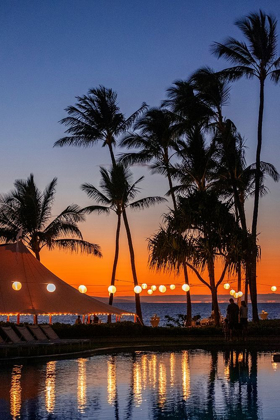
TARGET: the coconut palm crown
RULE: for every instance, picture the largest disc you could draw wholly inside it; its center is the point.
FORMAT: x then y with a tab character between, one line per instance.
26	212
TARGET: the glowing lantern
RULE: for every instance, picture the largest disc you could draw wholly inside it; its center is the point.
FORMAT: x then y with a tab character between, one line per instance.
162	289
112	289
273	288
232	292
172	286
226	286
17	285
144	286
137	289
236	295
240	294
154	288
51	287
150	292
82	288
186	287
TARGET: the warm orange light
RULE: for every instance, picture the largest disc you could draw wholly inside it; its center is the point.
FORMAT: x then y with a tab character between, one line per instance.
137	289
273	288
226	286
240	294
17	285
154	287
236	295
82	288
144	286
172	286
162	289
186	287
232	292
51	287
112	289
150	292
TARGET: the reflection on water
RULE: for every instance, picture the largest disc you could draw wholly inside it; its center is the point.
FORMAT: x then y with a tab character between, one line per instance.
50	387
15	392
191	384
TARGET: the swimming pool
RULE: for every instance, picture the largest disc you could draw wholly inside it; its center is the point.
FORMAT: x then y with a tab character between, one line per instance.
188	384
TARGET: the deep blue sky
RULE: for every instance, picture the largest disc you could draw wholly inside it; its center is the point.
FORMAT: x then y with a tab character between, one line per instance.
52	51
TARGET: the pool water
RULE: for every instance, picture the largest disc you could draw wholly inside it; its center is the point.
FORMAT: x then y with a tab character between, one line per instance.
189	384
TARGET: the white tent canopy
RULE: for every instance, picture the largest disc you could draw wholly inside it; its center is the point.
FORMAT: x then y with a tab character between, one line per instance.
18	264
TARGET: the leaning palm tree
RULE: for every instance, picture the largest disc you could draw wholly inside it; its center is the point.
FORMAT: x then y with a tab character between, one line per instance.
119	190
26	212
257	59
96	117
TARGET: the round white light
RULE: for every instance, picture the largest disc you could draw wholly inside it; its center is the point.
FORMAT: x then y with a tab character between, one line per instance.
232	292
82	288
137	289
162	289
112	289
17	285
226	286
150	292
144	286
172	286
273	288
240	294
186	287
154	288
51	287
236	295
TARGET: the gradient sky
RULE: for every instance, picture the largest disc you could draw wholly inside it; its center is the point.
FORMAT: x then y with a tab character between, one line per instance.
52	51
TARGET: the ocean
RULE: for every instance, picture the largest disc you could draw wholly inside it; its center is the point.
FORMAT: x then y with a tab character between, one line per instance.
161	310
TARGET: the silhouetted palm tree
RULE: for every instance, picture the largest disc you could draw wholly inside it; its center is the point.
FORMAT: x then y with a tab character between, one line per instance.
96	117
119	190
156	137
257	59
26	211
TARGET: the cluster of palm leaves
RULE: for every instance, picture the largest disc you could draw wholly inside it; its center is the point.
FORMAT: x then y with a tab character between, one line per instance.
194	146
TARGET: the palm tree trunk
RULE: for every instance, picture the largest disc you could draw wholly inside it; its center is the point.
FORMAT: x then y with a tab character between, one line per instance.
117	247
253	274
112	154
133	268
188	297
215	305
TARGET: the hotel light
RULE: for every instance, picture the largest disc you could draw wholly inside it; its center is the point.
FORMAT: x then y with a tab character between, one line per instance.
17	285
154	287
240	294
226	286
51	287
186	287
172	286
162	289
273	288
144	286
232	292
236	295
112	289
82	288
137	289
150	292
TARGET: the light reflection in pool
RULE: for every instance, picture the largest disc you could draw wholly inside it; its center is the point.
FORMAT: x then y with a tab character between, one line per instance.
145	385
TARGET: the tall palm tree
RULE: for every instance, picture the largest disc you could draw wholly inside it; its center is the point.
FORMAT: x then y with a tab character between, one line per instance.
119	190
27	211
258	59
156	136
96	116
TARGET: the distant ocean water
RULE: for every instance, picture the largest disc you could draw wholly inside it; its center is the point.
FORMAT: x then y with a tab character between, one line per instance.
160	309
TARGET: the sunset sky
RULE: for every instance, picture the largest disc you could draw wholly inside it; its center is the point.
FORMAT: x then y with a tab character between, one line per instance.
55	50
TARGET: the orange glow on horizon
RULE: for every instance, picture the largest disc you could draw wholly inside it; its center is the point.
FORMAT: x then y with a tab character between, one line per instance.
95	273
